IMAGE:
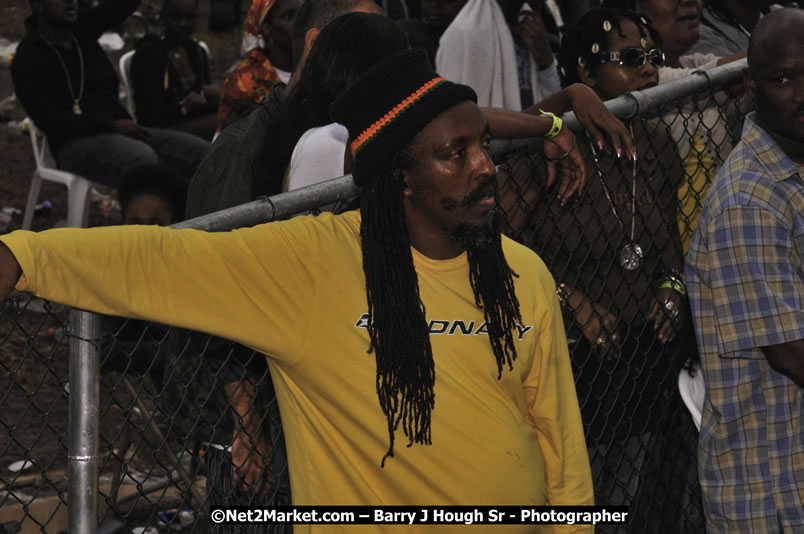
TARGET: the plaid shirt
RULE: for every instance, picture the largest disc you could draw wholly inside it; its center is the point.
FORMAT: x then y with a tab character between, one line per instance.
746	288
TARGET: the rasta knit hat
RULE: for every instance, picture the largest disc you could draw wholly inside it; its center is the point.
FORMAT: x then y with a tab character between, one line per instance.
390	104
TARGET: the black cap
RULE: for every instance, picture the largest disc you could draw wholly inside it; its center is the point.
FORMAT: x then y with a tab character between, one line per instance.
390	104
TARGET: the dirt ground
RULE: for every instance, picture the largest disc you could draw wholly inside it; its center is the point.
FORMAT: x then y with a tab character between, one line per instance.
33	352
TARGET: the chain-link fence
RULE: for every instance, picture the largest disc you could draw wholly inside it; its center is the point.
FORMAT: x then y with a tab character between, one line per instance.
165	422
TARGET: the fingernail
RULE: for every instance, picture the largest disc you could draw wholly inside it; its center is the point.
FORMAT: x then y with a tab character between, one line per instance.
599	144
634	155
619	152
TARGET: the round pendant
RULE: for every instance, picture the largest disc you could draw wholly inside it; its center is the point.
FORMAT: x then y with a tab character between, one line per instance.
631	257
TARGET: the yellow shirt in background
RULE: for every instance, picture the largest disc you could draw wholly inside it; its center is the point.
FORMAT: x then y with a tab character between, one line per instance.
295	290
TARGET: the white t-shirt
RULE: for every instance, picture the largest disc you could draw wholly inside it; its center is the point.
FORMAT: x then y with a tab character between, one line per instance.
284	75
319	155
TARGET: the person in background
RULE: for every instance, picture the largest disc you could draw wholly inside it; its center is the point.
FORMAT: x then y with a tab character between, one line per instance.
747	295
704	138
267	46
148	194
425	31
354	43
70	90
236	166
618	258
170	75
726	26
502	51
151	194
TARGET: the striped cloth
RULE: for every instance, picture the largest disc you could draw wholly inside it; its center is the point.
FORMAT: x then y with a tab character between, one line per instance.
745	276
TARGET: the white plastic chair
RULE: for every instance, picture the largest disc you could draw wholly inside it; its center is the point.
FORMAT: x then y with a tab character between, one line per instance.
78	187
125	79
124	66
692	391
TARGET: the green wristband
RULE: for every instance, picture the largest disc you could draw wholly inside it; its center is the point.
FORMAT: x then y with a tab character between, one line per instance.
556	127
675	286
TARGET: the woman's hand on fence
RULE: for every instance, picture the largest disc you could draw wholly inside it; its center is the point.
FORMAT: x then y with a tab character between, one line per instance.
252	462
593	115
667	314
562	153
599	326
10	271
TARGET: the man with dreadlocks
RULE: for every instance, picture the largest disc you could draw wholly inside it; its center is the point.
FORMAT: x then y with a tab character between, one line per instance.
415	299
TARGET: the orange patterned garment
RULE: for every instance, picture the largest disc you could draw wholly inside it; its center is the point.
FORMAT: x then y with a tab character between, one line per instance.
251	80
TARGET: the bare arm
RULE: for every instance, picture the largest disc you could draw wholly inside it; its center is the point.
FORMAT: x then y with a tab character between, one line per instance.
593	115
729	59
788	359
252	461
10	271
512	124
560	150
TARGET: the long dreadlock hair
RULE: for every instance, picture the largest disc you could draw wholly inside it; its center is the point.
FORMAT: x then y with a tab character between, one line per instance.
397	326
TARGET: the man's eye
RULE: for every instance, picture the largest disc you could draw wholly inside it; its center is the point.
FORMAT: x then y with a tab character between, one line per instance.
781	80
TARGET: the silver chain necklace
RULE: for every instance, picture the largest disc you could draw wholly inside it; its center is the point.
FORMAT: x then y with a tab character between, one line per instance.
631	254
76	99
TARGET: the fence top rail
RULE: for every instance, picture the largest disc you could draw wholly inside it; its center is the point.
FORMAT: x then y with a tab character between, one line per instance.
340	189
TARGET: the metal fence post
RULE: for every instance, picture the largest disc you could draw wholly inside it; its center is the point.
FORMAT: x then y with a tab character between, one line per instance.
82	448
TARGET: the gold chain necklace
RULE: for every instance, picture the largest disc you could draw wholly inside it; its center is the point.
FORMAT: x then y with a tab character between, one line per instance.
76	100
631	255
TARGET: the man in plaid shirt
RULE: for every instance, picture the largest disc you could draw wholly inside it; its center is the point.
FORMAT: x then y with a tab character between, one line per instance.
745	275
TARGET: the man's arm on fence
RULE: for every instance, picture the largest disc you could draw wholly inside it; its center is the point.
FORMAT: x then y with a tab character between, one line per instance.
230	284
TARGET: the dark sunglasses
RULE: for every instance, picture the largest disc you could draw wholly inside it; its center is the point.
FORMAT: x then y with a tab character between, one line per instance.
634	57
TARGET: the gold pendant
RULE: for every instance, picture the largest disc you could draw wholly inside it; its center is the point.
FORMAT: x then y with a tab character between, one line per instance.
77	109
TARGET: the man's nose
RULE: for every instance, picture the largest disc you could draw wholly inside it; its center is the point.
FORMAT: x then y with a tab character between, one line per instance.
483	163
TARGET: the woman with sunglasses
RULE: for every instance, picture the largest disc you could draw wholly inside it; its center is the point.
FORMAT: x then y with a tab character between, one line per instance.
617	256
704	138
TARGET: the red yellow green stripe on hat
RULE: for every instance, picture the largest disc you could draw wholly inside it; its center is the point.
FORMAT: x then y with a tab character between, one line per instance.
370	132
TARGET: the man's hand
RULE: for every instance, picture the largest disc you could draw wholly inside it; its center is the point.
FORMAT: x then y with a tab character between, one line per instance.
130	128
10	271
593	115
562	151
192	101
532	30
786	358
252	458
252	462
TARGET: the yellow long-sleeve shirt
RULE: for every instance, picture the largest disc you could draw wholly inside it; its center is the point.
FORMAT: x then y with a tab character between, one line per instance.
295	291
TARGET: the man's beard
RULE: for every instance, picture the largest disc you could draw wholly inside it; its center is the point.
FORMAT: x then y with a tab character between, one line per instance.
473	236
476	236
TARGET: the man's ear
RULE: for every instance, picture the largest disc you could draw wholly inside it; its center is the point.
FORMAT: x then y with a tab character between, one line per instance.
586	75
309	38
407	192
